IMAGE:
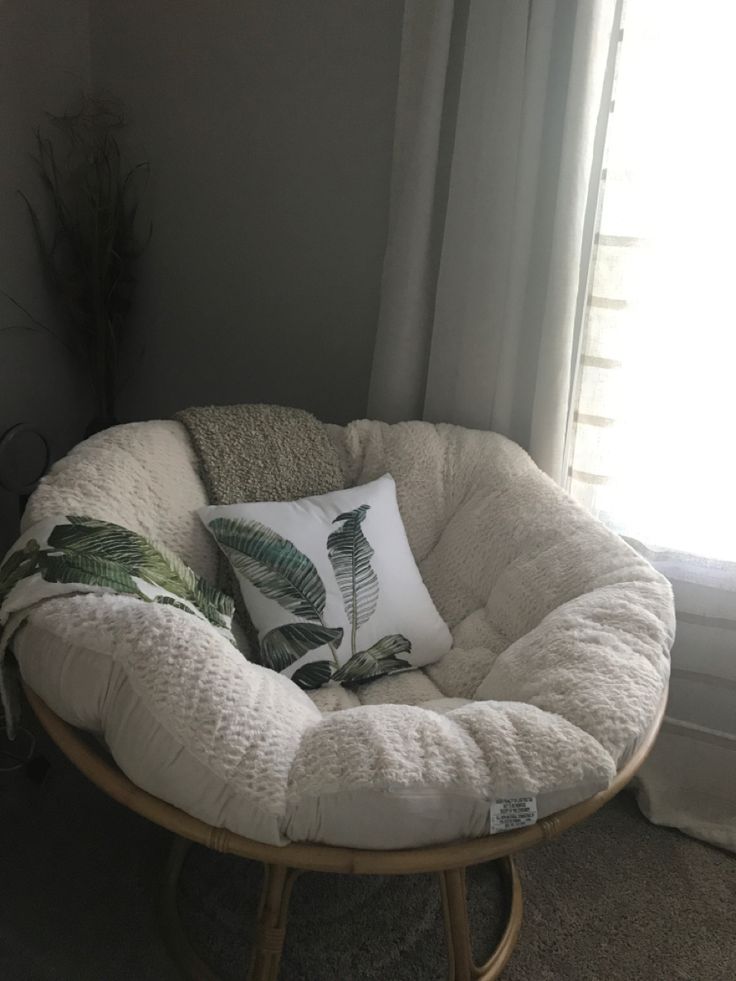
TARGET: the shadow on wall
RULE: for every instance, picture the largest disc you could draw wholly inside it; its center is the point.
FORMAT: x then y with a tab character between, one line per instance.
269	129
44	60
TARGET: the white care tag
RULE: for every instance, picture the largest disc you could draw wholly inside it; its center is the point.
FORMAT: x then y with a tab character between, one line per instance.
508	813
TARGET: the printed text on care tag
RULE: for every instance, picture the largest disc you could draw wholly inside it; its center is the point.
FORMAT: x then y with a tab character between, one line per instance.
508	813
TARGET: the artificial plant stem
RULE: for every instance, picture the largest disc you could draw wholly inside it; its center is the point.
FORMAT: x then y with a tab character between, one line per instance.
330	643
37	325
92	243
354	631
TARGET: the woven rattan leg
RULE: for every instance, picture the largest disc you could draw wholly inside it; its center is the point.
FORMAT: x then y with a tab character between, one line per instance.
455	903
190	964
278	881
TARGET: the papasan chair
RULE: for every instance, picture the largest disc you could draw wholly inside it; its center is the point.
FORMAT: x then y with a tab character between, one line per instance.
551	695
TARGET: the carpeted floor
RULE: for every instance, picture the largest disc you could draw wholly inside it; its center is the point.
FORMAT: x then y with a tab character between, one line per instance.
613	899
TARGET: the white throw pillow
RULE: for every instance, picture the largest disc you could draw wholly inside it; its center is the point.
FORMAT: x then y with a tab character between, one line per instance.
331	585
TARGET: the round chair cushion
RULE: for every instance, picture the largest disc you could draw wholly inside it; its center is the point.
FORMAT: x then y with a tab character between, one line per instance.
561	652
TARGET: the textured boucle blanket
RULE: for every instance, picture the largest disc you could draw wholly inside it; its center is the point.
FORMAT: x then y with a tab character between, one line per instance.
261	452
256	452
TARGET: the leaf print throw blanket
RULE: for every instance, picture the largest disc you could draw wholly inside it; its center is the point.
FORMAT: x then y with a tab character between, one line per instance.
72	554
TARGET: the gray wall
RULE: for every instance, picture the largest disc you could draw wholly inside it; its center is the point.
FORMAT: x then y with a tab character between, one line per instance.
268	125
44	60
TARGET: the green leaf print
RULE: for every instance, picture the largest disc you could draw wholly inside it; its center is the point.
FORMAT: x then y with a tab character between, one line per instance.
350	553
382	657
155	564
274	565
89	570
18	565
312	675
282	646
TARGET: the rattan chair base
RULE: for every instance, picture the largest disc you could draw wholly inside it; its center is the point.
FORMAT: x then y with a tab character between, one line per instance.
283	863
278	881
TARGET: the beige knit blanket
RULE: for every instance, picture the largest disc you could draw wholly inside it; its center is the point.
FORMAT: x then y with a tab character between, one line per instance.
258	452
261	452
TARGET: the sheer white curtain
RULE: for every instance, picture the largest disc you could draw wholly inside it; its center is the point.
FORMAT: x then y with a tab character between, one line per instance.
502	110
652	439
494	165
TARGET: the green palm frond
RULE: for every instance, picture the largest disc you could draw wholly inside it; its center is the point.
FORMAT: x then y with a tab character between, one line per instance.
17	566
274	565
350	553
89	234
89	570
382	657
90	536
170	601
163	568
282	646
212	601
155	564
312	675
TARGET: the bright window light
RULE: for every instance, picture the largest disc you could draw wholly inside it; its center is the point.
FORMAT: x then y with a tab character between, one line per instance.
662	379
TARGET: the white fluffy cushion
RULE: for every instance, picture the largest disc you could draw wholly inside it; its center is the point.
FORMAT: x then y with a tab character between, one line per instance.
560	656
331	584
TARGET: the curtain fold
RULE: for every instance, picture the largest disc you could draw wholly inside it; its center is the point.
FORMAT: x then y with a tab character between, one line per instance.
482	277
407	292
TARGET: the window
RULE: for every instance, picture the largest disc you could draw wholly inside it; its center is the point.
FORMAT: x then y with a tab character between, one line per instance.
654	435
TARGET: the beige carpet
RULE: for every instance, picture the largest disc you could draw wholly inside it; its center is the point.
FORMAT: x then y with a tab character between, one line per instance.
614	899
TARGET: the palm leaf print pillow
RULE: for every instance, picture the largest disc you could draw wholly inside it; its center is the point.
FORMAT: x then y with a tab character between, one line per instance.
331	585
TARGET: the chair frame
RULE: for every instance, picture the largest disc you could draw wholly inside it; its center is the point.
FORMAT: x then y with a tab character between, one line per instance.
282	864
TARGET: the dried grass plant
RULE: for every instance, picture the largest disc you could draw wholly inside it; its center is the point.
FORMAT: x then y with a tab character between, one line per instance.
90	238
